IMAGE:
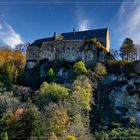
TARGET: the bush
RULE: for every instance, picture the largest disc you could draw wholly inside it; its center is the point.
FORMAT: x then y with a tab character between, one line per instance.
23	92
69	137
8	103
115	125
51	93
50	75
119	134
100	70
119	67
79	68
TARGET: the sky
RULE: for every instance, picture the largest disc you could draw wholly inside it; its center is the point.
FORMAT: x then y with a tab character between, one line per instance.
23	21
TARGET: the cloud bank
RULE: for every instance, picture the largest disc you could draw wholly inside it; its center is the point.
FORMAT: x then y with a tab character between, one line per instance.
8	35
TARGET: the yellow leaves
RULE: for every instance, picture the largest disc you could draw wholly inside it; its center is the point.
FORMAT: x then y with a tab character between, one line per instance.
61	117
11	63
12	57
82	92
44	88
56	118
54	92
100	70
80	68
69	137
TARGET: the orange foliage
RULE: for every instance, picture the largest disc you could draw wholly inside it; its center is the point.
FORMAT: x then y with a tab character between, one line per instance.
13	57
11	63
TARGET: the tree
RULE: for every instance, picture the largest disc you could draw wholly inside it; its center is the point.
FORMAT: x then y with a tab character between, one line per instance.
2	127
119	134
78	105
100	70
31	122
80	68
23	92
82	92
11	66
127	50
50	74
55	119
8	103
51	93
26	126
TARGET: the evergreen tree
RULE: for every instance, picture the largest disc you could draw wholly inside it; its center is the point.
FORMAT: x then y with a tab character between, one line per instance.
127	50
27	126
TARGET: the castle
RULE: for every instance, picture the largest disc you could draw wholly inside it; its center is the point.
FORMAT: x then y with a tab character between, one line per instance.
71	47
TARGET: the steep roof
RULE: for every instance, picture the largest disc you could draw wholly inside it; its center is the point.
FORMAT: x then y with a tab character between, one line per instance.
38	42
88	34
77	35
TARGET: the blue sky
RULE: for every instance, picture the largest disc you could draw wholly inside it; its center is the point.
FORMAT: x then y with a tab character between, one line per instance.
27	20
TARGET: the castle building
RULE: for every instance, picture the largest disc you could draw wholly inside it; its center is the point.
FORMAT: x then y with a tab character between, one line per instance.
71	47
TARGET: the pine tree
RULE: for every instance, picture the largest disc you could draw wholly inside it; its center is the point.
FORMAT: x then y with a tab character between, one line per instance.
127	50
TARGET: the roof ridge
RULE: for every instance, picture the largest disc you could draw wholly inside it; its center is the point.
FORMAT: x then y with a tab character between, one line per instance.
86	30
88	34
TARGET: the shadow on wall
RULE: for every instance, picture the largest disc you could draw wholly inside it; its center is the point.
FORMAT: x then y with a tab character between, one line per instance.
137	66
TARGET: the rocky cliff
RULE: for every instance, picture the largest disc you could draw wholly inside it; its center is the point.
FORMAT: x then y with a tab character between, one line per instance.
117	101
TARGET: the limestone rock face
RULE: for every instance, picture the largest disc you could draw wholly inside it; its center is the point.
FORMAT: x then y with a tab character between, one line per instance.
128	97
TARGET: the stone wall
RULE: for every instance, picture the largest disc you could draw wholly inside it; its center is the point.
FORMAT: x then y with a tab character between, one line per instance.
67	50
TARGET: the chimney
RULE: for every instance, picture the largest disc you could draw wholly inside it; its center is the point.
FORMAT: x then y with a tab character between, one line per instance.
73	31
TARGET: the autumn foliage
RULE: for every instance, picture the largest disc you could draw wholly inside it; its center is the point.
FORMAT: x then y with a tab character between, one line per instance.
11	66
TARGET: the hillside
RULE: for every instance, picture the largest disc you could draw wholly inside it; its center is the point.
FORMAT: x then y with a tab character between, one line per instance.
69	100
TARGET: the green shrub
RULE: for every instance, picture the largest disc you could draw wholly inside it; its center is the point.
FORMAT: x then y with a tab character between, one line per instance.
51	93
80	68
100	70
115	125
50	74
119	134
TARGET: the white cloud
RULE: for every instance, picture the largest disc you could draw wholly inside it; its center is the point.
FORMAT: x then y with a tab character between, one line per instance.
8	35
82	19
83	24
129	21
